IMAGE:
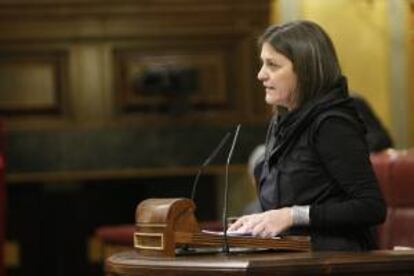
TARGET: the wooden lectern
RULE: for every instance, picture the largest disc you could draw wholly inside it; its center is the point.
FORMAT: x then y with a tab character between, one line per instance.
373	263
164	225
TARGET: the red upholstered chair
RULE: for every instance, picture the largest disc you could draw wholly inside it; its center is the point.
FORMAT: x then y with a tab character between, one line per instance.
382	166
118	234
401	215
113	238
395	173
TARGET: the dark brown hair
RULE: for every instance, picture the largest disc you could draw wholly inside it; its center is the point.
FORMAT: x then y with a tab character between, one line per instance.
312	53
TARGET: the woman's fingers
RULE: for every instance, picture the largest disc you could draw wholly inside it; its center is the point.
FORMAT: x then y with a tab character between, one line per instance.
259	230
245	223
263	230
234	226
237	224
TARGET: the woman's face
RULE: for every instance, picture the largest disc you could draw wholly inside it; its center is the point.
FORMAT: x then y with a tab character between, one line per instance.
278	78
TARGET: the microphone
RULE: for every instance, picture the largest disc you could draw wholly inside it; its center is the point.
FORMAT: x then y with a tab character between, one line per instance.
226	191
207	161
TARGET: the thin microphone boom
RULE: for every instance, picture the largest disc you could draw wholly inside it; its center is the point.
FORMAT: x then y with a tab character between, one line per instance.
226	191
207	161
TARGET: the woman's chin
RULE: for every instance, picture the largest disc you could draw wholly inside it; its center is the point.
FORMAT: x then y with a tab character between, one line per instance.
271	101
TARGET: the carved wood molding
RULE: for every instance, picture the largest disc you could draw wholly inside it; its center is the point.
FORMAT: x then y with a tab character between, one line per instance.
58	177
105	8
106	19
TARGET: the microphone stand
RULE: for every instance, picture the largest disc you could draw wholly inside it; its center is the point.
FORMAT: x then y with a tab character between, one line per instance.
185	248
226	248
207	161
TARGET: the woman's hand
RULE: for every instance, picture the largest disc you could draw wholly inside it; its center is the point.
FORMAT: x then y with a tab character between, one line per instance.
266	224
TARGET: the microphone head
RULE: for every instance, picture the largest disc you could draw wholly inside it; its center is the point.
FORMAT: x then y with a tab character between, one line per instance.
236	135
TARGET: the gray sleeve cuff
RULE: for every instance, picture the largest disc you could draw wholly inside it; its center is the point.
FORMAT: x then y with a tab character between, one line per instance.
300	215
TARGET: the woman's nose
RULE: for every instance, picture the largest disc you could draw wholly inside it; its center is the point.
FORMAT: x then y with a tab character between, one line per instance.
261	74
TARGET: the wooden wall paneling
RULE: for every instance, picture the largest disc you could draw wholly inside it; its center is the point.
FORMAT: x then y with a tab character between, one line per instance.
211	78
33	83
91	82
411	87
410	73
220	37
215	60
88	19
95	47
411	90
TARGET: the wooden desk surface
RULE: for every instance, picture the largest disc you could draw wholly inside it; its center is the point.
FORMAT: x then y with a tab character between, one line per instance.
265	263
